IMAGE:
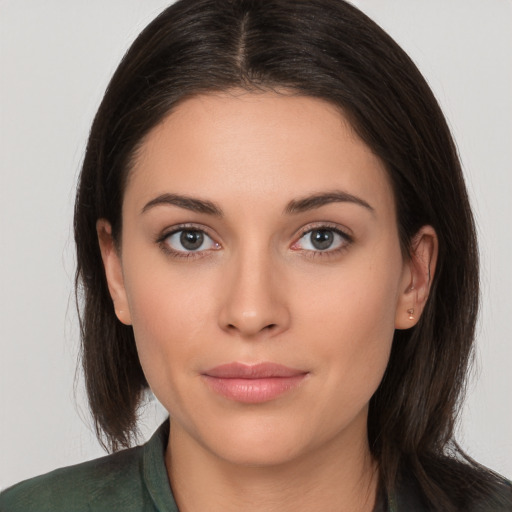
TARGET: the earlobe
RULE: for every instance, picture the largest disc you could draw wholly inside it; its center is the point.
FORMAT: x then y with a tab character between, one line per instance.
420	269
113	270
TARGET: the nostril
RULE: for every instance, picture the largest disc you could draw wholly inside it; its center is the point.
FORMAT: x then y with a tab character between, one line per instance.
269	327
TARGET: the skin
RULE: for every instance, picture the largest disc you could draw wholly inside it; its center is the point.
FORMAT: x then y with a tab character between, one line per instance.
258	290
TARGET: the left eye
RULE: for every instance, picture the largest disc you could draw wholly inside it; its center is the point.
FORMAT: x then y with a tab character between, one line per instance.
321	239
190	240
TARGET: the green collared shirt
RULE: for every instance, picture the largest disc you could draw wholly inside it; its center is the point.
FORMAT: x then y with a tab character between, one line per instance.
135	480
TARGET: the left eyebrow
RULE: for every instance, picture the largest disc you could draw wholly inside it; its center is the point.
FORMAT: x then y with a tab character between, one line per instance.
317	200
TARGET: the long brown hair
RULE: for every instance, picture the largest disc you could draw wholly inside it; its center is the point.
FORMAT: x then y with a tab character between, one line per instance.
330	50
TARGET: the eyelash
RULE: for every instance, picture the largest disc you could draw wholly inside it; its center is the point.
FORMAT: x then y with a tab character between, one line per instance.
347	241
161	240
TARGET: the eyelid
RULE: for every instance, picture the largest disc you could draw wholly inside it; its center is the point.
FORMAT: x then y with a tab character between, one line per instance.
327	225
172	230
343	232
190	226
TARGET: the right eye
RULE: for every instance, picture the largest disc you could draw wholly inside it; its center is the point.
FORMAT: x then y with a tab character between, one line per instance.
189	240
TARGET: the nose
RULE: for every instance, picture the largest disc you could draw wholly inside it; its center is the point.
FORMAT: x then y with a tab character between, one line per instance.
254	298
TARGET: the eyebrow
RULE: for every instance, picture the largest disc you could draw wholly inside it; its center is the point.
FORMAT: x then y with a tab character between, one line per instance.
295	206
317	200
189	203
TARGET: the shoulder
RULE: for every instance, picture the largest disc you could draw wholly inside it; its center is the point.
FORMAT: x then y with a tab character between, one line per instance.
490	492
456	485
115	479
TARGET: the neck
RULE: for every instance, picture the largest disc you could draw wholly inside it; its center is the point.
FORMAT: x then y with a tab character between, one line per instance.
340	475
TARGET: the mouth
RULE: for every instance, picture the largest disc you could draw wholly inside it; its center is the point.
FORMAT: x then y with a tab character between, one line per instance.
253	384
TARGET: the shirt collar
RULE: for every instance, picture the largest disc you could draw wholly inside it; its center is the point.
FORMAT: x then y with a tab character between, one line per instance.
155	472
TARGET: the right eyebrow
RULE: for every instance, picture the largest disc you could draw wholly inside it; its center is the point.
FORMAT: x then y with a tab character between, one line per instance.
186	202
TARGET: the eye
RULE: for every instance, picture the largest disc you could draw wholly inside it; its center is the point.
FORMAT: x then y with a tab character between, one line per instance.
322	239
189	240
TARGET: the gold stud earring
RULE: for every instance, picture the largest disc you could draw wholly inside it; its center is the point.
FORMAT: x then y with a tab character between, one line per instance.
411	313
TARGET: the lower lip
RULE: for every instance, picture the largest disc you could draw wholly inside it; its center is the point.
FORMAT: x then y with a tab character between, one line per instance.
254	391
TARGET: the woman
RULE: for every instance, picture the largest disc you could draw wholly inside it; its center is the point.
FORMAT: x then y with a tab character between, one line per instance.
258	242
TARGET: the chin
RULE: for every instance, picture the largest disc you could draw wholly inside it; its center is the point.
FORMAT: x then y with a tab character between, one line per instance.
259	454
260	442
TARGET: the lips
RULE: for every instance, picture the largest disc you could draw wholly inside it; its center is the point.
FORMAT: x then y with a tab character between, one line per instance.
253	383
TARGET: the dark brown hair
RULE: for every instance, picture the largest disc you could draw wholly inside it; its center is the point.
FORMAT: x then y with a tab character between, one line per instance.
330	50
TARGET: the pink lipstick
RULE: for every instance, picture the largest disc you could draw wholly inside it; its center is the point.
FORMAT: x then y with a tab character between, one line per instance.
253	384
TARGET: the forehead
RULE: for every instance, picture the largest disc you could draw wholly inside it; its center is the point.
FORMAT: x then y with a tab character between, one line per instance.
255	146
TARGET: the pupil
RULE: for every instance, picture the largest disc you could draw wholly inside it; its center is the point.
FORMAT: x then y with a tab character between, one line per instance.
321	238
191	240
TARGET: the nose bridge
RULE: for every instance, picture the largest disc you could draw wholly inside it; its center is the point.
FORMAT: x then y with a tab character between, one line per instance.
253	302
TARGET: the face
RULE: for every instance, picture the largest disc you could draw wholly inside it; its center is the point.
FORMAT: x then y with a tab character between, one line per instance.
261	270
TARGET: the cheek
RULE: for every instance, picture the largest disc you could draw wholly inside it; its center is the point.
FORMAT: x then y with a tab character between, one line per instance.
169	313
352	318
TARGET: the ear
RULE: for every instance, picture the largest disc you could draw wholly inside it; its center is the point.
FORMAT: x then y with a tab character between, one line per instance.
417	278
113	270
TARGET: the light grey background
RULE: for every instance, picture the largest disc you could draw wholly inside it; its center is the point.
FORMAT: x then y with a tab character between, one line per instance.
56	59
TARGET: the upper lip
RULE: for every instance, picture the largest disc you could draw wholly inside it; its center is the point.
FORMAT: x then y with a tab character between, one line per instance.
252	371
